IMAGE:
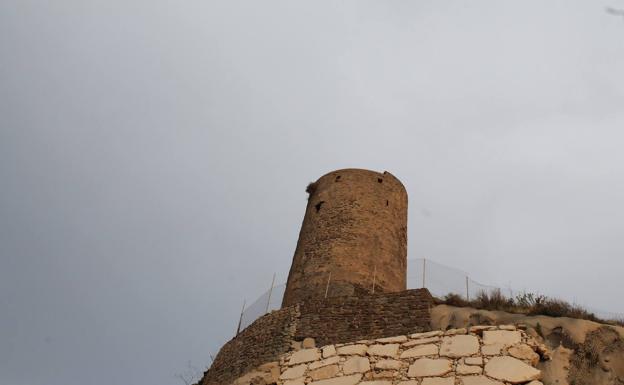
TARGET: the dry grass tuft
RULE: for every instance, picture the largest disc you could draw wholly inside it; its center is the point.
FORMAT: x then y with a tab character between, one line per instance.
526	303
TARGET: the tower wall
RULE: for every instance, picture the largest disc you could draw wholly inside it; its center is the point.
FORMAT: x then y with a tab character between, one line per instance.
354	232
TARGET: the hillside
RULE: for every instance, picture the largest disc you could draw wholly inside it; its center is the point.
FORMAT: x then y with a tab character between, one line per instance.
582	352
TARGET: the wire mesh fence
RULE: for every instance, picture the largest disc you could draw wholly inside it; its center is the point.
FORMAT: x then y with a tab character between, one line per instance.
439	279
442	280
268	301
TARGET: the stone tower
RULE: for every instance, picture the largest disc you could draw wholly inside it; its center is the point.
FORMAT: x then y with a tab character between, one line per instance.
354	236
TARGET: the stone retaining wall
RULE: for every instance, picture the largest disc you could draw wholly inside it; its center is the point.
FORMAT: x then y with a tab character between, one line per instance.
333	320
482	355
345	319
264	340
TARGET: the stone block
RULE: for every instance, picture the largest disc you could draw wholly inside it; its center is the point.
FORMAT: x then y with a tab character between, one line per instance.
473	361
459	346
434	333
468	369
503	337
524	352
344	380
391	340
350	350
388	364
387	350
356	365
294	372
304	355
492	350
324	372
329	351
325	362
421	351
478	380
308	343
427	367
439	381
421	341
511	370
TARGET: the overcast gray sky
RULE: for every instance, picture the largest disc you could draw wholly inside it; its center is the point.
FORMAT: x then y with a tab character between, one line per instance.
154	156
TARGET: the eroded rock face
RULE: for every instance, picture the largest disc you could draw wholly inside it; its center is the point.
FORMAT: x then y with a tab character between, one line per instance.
599	360
571	351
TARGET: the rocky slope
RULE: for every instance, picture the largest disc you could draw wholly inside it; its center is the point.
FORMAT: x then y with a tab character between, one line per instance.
582	352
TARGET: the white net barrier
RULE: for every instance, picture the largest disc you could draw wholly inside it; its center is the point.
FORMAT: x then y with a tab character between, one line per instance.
441	280
268	301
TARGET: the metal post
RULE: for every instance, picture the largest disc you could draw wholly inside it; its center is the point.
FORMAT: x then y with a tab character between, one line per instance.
467	292
240	320
270	292
374	277
327	287
424	268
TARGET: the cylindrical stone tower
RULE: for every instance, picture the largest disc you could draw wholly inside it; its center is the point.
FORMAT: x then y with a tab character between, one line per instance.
353	237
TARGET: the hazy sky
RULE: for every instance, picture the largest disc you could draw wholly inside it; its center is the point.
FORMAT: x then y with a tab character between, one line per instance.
154	157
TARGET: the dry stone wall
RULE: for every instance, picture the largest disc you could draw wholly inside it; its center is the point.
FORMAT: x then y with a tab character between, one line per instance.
334	320
481	355
343	319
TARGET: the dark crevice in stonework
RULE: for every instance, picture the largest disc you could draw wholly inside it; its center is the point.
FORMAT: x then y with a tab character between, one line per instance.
318	206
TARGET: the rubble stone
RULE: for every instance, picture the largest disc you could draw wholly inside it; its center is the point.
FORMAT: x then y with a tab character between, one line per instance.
439	381
356	365
428	367
459	346
420	351
304	355
504	337
389	350
511	370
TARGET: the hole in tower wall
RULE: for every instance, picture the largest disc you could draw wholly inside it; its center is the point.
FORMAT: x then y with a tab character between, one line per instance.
318	206
379	180
337	178
387	202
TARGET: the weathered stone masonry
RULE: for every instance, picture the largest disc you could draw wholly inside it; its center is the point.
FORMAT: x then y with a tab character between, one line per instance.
345	319
354	232
479	355
335	320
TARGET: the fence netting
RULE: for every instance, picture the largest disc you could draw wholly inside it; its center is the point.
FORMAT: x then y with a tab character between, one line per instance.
439	279
442	280
268	301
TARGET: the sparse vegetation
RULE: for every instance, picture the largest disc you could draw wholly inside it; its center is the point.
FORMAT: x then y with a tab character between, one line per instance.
311	188
525	303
